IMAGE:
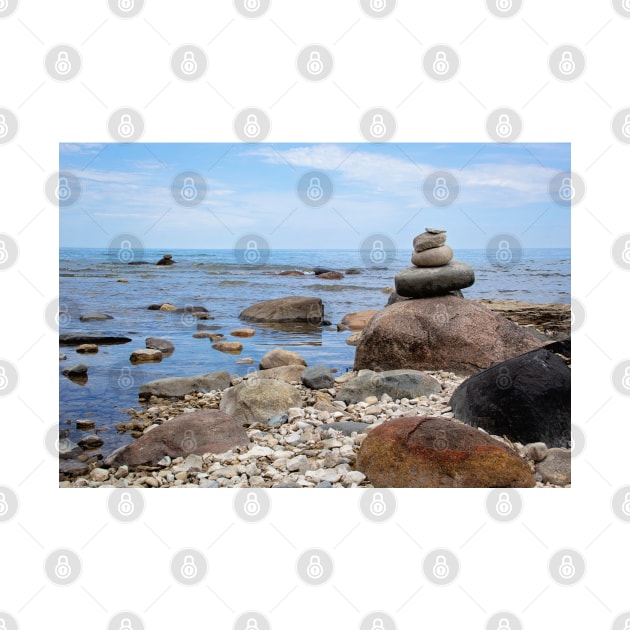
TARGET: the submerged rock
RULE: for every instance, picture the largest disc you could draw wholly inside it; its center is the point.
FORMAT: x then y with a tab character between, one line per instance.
286	309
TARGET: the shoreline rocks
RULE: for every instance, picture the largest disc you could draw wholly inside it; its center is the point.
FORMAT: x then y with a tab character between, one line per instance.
423	282
180	386
278	357
77	339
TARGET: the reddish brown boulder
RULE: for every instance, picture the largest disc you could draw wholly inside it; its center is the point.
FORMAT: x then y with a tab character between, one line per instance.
286	309
439	333
437	453
199	432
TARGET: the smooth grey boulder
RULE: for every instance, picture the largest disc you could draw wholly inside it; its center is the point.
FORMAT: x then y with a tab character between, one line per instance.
433	281
179	386
318	377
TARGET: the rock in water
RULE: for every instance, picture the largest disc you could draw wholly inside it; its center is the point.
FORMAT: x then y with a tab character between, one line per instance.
526	398
87	348
440	333
437	453
395	383
243	332
234	347
163	345
75	371
286	309
434	257
330	275
145	356
318	377
199	432
95	317
358	320
179	386
76	339
428	240
259	400
280	356
423	282
167	259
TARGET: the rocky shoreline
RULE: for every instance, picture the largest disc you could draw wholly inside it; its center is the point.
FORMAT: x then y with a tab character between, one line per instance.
445	392
314	447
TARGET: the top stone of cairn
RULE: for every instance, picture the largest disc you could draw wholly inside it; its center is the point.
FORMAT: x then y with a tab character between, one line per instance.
429	239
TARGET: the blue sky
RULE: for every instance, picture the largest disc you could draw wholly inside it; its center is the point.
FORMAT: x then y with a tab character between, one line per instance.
251	189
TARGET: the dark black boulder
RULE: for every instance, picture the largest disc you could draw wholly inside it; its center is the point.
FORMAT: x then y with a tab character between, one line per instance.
527	398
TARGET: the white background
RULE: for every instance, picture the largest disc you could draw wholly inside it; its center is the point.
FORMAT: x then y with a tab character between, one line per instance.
252	63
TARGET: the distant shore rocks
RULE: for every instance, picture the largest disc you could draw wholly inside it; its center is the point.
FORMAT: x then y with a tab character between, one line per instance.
180	386
293	273
259	400
526	398
286	309
76	339
95	317
439	333
166	260
198	432
280	356
330	275
394	383
430	452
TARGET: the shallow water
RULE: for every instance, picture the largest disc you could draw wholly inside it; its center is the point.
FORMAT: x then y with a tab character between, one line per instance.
225	286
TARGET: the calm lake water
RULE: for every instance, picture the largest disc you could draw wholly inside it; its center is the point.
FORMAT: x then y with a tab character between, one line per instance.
226	284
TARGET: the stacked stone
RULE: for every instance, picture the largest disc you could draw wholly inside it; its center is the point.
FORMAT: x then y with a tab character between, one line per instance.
434	270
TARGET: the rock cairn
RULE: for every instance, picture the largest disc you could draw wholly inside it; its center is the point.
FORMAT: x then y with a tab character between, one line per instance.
434	271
